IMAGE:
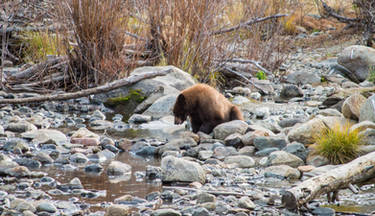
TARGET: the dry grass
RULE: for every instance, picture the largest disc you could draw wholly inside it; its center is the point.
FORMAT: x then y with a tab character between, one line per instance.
97	30
339	144
178	33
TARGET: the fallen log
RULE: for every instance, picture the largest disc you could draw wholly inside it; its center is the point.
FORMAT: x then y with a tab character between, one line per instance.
357	171
86	92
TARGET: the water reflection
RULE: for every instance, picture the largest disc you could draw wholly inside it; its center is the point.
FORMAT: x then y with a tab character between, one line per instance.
99	182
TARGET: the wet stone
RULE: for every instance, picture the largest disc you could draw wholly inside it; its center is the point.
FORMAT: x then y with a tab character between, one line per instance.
266	152
29	163
94	168
45	206
165	212
205	197
78	158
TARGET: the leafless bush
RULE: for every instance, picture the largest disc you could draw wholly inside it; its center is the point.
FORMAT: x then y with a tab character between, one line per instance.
93	33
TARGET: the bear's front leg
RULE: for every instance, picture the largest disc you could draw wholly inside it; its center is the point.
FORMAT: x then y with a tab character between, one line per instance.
196	123
206	128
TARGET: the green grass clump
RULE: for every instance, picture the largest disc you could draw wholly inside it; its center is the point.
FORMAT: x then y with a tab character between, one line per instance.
39	45
261	75
371	76
339	144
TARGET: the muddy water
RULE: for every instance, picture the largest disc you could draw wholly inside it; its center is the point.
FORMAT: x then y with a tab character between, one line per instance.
101	182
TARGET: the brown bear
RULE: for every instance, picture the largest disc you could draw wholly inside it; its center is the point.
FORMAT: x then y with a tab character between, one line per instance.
206	108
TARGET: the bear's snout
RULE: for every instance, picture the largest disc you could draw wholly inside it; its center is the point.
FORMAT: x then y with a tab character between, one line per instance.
177	120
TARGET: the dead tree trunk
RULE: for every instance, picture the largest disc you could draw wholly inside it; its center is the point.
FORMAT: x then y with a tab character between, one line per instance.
100	89
356	171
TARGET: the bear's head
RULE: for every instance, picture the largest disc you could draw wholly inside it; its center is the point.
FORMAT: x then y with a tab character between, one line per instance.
179	110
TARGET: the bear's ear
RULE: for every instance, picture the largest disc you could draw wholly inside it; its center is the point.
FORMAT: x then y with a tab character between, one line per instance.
181	100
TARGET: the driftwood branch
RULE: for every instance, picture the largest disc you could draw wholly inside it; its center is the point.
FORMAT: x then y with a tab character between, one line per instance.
247	24
29	28
37	68
333	14
248	61
100	89
356	171
217	193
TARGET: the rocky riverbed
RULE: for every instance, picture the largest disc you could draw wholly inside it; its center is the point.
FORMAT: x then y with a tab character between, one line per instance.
79	157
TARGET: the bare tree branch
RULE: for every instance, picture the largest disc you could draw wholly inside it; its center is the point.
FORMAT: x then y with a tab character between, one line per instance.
100	89
340	18
247	24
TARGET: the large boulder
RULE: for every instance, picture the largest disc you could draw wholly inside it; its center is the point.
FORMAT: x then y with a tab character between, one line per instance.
125	100
367	111
357	59
174	82
352	105
162	106
181	170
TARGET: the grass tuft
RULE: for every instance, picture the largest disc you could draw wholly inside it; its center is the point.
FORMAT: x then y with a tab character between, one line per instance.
339	144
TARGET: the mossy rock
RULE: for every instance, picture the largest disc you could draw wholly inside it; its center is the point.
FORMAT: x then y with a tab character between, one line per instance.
126	104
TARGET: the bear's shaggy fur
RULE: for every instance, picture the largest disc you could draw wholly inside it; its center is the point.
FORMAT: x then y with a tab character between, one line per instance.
206	108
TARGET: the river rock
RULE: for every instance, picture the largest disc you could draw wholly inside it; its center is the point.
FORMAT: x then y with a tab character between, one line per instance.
266	151
306	132
21	127
368	136
264	142
78	158
139	119
316	160
330	112
29	163
43	136
162	106
357	59
367	111
298	149
165	212
361	126
204	197
242	161
303	77
177	169
246	203
352	105
100	124
43	157
282	172
117	168
283	158
118	210
98	115
233	140
225	129
22	205
93	168
248	138
85	133
177	144
45	206
247	150
291	91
